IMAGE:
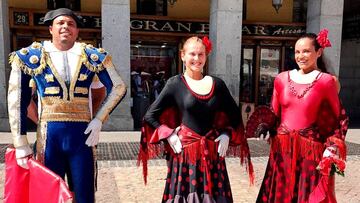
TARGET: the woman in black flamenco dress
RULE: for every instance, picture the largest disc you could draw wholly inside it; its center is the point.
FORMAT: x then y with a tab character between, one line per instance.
198	121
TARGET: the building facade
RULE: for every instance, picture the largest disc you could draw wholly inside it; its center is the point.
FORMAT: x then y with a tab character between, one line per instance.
252	43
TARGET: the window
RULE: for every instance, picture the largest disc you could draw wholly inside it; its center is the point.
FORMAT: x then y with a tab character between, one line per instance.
71	4
269	68
152	7
247	75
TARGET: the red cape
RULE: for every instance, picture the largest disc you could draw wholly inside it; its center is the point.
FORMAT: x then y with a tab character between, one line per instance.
33	185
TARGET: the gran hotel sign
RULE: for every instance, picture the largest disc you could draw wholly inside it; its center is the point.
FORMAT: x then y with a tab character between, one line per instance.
21	19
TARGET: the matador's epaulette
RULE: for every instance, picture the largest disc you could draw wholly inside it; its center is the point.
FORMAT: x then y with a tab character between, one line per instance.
94	58
31	60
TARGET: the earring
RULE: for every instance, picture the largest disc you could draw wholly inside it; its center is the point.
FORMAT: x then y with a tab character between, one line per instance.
183	66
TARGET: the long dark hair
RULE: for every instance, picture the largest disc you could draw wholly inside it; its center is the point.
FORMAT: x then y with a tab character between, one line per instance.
320	62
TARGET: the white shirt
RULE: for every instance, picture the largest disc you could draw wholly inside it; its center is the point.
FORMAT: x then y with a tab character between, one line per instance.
201	87
303	78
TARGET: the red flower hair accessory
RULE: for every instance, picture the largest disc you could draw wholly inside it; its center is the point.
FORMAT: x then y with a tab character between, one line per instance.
207	43
323	39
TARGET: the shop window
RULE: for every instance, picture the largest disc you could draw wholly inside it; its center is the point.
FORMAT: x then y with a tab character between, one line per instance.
71	4
269	69
152	7
289	62
151	66
22	41
247	75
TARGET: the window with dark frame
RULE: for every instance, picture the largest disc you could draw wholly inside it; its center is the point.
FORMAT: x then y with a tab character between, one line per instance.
151	7
71	4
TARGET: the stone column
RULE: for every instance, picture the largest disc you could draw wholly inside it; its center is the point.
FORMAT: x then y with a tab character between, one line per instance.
225	33
327	14
115	15
4	67
349	74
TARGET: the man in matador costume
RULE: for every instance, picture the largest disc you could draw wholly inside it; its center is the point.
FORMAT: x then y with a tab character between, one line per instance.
63	72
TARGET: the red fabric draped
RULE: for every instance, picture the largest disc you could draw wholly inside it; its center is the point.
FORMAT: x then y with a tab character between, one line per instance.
293	143
324	191
33	185
305	144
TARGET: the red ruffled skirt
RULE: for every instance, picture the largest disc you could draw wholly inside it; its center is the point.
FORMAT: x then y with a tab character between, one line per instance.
291	174
198	174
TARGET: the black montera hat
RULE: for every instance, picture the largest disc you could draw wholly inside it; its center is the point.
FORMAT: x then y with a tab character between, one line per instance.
51	15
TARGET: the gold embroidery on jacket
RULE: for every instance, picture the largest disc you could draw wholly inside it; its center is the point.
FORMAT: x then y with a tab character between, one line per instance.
32	83
14	58
57	76
34	59
85	61
81	90
52	90
24	51
54	109
82	77
49	78
74	79
94	57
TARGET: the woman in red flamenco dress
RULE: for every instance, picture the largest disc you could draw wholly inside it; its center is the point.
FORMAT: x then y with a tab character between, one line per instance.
310	126
198	121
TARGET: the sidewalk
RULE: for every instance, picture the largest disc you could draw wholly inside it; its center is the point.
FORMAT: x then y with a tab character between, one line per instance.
353	135
121	181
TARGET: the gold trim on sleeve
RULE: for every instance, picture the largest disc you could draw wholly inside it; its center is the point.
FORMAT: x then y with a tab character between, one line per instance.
14	98
41	136
117	92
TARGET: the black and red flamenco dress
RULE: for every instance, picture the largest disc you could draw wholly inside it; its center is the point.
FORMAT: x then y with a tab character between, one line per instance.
197	174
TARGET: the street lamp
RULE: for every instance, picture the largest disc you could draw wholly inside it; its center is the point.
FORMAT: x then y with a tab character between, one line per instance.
277	4
172	2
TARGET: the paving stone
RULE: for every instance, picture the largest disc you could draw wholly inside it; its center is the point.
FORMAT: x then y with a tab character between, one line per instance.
121	181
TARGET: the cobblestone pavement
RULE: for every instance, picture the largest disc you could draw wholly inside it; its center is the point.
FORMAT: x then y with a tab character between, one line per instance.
129	150
119	180
122	181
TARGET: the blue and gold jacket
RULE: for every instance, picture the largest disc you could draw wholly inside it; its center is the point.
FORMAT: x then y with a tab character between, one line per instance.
32	67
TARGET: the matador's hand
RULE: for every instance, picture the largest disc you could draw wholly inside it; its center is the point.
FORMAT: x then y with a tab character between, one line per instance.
21	154
94	129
